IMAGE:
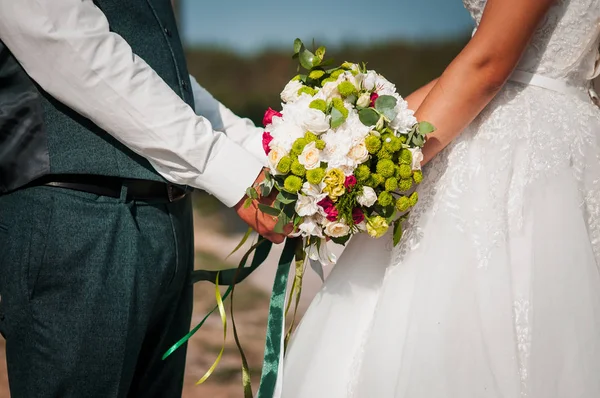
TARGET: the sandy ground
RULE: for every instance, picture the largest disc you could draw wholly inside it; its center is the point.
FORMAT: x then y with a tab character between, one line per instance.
251	317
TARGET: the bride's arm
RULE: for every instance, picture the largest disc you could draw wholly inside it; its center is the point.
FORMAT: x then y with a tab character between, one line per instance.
477	74
416	98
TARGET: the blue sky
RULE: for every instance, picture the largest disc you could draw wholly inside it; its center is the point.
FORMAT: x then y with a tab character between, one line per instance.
250	25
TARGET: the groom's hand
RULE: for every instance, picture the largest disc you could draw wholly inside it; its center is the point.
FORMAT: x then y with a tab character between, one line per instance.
262	223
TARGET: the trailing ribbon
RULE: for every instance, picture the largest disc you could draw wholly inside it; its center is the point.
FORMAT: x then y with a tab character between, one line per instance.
275	324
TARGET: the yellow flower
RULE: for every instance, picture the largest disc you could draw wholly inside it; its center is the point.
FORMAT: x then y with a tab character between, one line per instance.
334	192
377	226
334	177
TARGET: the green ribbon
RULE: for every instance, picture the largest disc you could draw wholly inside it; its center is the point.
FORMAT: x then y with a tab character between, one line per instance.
275	324
229	277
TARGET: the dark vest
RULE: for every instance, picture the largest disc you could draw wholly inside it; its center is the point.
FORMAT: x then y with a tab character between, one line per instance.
39	135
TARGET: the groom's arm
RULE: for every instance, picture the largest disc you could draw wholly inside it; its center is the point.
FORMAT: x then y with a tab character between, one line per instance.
240	130
67	48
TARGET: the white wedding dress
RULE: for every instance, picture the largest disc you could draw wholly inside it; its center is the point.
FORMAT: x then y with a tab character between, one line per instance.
494	290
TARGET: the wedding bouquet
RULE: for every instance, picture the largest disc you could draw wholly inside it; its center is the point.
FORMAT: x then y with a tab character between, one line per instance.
344	154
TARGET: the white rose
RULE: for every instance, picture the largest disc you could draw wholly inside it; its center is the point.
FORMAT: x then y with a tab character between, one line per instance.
306	206
336	229
310	157
290	91
312	190
275	156
315	121
364	100
369	81
359	153
417	158
368	197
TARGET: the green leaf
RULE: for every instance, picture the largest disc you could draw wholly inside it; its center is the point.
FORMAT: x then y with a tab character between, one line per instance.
385	102
307	59
251	193
368	116
341	241
297	220
285	200
279	226
397	232
269	210
297	46
337	118
247	203
426	128
320	53
266	188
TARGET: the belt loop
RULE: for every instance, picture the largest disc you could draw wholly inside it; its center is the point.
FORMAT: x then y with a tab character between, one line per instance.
123	197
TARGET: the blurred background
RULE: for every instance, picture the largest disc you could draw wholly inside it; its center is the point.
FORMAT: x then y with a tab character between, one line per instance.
241	52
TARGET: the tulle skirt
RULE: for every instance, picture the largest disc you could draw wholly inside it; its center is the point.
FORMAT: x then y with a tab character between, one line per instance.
494	290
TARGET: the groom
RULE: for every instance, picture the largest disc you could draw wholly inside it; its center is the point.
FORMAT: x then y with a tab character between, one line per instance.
99	149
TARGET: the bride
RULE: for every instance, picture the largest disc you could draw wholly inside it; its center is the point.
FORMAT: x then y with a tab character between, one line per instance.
495	289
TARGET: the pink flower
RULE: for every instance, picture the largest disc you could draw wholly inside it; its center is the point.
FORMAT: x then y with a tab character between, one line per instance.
266	140
329	208
350	182
374	97
357	216
268	118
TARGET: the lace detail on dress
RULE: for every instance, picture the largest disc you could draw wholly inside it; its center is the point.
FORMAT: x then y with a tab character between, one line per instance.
521	308
566	44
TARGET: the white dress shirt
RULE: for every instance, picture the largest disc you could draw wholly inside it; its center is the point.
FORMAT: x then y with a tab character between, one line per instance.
67	48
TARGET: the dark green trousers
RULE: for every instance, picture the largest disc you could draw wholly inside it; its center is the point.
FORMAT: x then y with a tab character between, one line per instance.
93	291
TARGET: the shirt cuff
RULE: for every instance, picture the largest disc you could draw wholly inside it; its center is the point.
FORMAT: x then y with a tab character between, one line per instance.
230	173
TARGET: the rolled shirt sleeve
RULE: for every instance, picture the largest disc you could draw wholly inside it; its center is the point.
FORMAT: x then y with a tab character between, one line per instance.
67	48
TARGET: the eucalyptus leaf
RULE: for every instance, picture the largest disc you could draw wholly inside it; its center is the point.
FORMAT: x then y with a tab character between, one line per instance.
341	240
426	128
337	118
251	193
307	59
297	46
265	189
368	116
390	114
269	210
247	203
385	102
397	232
320	53
279	226
281	198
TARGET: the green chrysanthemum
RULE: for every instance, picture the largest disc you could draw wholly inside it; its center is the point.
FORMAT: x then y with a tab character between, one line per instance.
403	204
404	171
418	176
338	104
402	139
292	184
385	199
347	65
316	74
315	176
307	90
310	137
391	184
296	78
328	80
319	104
405	184
376	180
362	173
386	168
337	73
284	164
384	154
320	145
373	144
391	143
298	145
414	198
347	89
405	157
298	169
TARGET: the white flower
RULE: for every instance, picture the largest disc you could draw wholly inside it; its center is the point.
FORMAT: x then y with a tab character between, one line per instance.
369	80
310	157
336	229
384	86
275	156
329	91
284	133
306	206
417	158
364	100
368	197
405	118
312	190
290	91
359	153
321	253
315	121
310	226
